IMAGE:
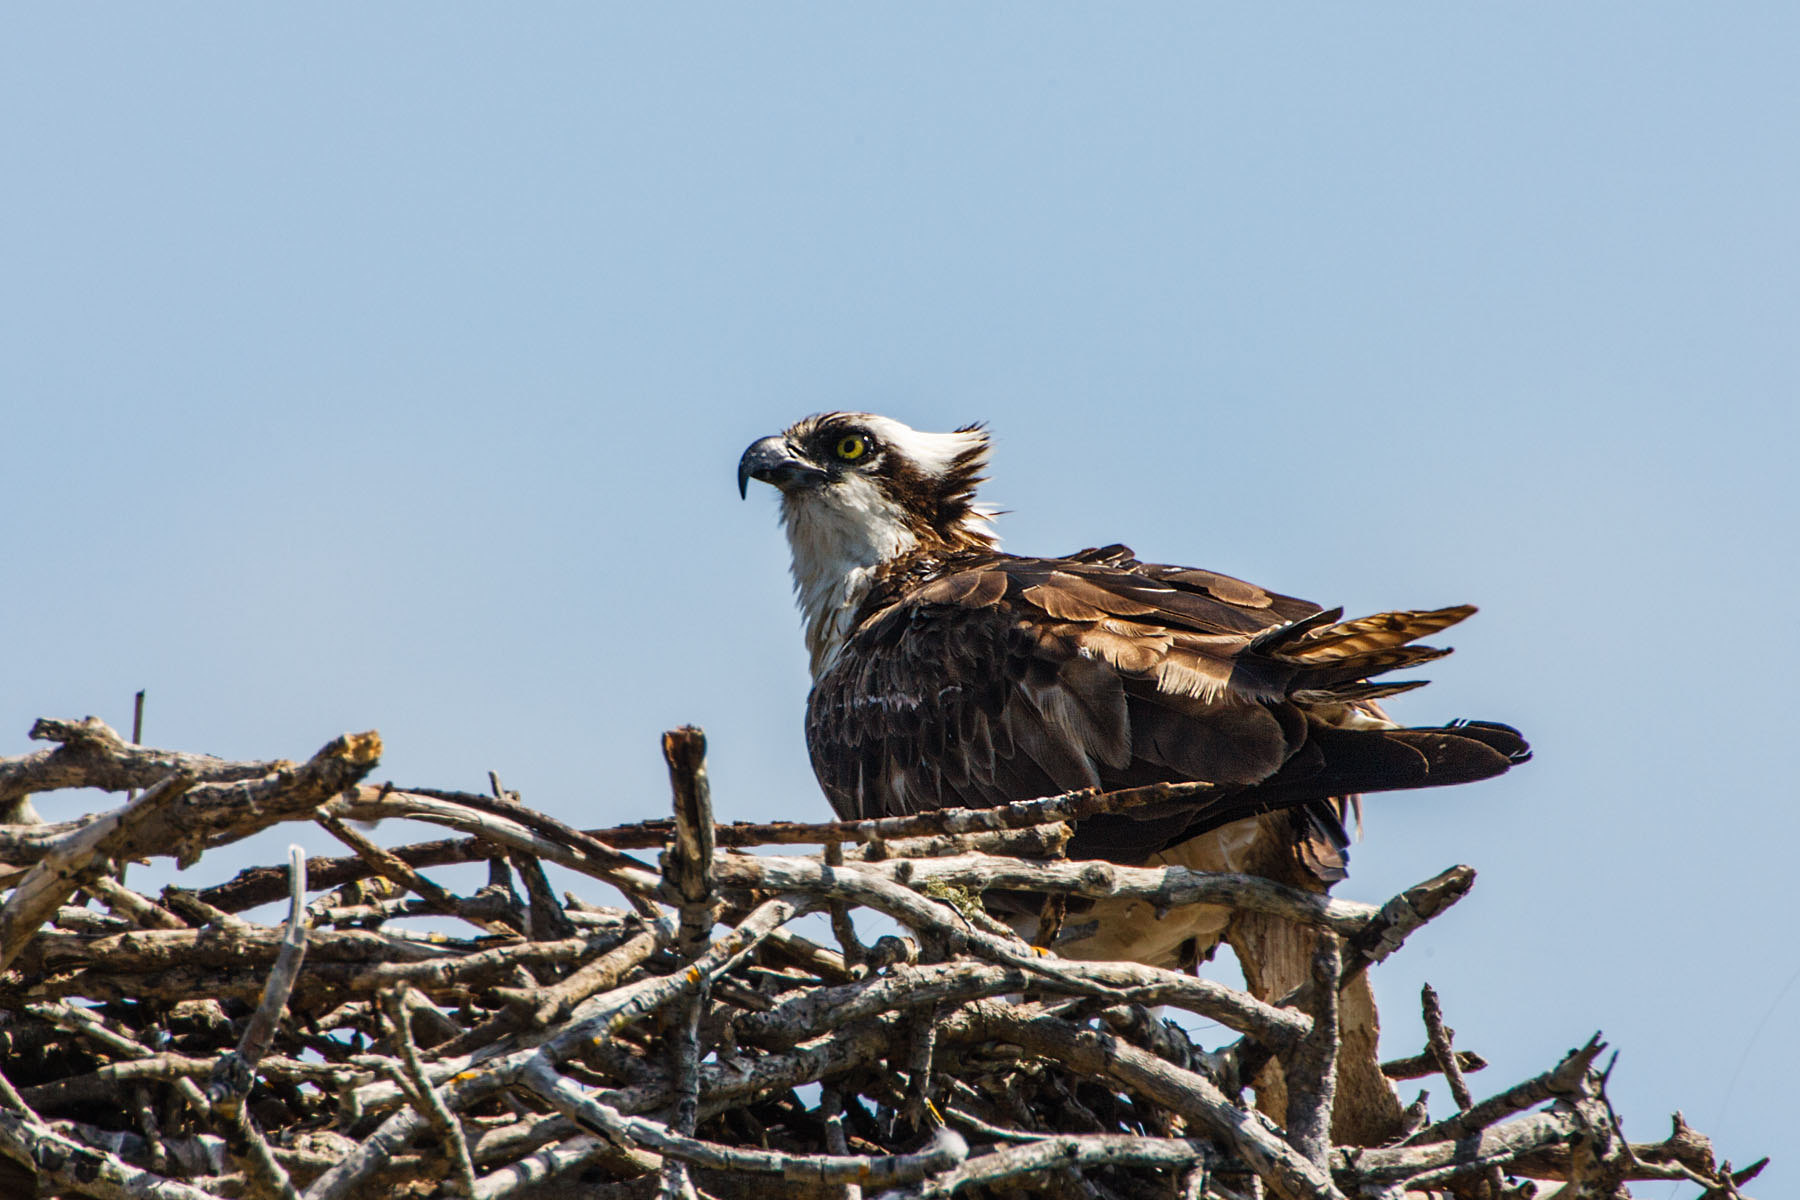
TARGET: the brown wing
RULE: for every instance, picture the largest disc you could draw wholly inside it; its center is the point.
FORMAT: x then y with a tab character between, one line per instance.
1000	678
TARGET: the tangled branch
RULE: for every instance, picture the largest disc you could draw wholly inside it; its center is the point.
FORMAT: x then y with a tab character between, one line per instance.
686	1038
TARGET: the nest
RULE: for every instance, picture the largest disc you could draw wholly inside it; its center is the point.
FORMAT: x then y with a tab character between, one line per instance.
687	1041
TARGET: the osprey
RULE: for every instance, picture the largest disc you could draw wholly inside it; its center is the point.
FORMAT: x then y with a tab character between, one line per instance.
946	673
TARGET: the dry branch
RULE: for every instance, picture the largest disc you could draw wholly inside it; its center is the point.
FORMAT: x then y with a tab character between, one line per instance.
169	1050
1312	1069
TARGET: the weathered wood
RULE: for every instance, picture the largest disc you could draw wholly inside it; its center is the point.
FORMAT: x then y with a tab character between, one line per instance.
1170	886
1029	827
1312	1067
688	862
1186	1093
688	874
1418	1066
673	1059
89	754
78	856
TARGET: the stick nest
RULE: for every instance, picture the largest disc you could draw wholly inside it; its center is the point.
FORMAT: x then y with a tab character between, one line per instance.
686	1040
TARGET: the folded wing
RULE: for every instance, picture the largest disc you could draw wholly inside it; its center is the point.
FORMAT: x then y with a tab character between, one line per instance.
1001	678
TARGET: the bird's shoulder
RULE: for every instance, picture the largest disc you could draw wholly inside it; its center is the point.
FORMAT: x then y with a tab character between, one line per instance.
1100	588
978	677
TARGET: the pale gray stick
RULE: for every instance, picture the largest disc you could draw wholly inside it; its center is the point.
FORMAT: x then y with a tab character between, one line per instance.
1061	1150
76	1169
76	857
235	1073
946	1149
409	1073
1312	1069
1166	886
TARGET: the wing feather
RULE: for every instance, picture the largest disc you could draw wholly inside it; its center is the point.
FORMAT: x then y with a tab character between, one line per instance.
983	678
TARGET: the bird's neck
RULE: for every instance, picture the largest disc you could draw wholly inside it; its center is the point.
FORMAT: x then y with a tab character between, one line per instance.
838	550
841	550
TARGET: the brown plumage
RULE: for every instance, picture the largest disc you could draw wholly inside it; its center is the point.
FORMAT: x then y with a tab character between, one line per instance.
949	673
1002	678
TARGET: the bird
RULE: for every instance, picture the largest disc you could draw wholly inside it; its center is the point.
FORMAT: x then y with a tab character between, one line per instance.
947	673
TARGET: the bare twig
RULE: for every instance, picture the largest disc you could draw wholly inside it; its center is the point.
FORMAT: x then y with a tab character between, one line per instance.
234	1073
517	829
260	1033
688	872
1439	1039
946	1149
9	1096
409	1073
122	900
389	865
1312	1070
1418	1066
1183	1092
76	858
137	733
1561	1080
90	755
688	863
1164	886
543	1006
81	1170
1090	1151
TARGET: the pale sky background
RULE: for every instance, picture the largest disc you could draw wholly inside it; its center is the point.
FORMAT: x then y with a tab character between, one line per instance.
388	366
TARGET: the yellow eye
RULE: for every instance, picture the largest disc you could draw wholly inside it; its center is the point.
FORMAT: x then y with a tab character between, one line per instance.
852	447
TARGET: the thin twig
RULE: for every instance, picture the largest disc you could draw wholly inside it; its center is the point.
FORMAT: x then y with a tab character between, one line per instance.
137	733
1439	1039
409	1073
235	1072
945	1149
260	1033
389	865
1418	1066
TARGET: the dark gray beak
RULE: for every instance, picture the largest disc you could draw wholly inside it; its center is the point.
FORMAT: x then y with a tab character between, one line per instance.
772	460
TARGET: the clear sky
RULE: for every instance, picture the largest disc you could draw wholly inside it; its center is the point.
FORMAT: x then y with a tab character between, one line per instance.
388	366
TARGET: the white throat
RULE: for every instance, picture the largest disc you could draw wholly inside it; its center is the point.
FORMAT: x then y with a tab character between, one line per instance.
839	535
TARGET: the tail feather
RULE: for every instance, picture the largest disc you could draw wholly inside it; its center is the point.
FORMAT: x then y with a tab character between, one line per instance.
1350	693
1347	762
1388	760
1296	630
1348	639
1365	664
1314	659
1502	738
1305	668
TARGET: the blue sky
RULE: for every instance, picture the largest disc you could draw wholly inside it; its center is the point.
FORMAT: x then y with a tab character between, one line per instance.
388	367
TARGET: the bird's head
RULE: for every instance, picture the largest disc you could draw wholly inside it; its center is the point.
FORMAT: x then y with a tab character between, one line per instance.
858	490
873	479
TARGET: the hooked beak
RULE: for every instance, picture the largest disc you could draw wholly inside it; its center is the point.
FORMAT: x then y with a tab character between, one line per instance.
772	460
